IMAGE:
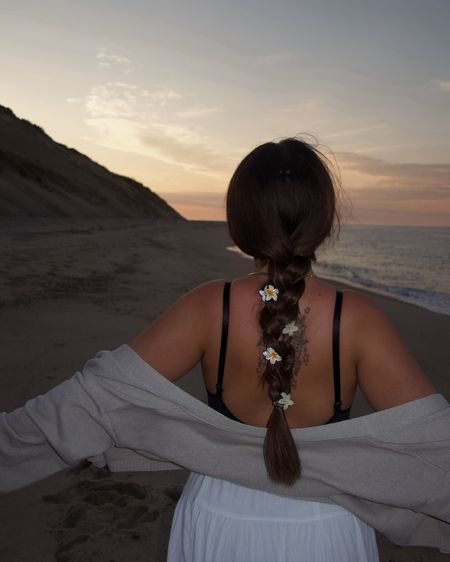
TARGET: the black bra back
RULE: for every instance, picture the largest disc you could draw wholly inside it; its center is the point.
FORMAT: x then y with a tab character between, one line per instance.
215	400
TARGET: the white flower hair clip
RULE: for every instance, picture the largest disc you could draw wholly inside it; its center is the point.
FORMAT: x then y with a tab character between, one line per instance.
284	402
271	355
269	292
290	329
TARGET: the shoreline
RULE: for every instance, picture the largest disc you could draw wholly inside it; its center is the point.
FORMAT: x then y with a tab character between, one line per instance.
381	293
357	286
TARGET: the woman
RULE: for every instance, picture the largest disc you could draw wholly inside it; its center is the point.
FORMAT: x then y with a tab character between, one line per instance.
279	349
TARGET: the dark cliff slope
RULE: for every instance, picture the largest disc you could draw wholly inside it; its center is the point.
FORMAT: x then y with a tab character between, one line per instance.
42	178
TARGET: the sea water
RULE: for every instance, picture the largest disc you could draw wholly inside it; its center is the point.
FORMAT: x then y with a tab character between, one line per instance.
411	264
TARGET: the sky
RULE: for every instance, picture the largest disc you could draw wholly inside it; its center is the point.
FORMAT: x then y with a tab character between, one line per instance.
174	94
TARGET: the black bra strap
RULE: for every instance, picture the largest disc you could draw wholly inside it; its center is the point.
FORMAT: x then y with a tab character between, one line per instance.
224	337
336	357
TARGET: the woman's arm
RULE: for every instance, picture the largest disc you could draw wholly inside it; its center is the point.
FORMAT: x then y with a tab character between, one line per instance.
388	374
59	428
71	421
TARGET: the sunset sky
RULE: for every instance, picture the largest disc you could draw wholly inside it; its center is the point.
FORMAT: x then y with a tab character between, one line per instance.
175	93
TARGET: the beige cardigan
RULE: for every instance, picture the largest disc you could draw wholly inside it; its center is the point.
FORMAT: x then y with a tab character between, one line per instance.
390	468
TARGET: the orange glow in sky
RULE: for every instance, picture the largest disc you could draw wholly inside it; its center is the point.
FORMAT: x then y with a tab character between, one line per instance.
175	98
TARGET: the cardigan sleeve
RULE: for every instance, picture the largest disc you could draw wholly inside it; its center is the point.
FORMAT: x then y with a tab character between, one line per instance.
53	431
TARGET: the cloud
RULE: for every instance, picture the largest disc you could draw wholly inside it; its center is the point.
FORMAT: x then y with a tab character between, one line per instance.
397	181
376	167
197	112
129	118
116	100
148	122
389	191
183	147
161	96
443	85
377	148
357	131
122	100
109	60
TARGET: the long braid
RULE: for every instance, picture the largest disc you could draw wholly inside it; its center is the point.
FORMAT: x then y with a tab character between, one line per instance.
281	205
280	453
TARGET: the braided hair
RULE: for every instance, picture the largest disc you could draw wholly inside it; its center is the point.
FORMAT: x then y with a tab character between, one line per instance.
281	205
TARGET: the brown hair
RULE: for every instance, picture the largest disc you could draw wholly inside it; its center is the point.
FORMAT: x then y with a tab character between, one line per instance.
281	205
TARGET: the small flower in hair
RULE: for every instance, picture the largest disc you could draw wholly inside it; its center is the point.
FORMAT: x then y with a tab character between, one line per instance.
290	329
269	292
284	402
271	355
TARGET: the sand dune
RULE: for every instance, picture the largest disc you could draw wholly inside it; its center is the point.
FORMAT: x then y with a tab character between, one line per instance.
42	178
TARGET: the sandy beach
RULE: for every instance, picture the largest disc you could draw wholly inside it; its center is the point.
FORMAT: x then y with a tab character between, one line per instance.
72	287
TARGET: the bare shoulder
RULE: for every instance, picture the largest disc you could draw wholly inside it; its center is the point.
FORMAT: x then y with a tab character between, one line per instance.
207	291
366	319
203	302
358	306
176	340
388	373
199	298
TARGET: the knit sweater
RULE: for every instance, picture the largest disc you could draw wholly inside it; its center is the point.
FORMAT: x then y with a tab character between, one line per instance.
390	468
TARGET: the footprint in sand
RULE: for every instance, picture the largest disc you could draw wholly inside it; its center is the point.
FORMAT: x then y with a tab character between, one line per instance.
98	515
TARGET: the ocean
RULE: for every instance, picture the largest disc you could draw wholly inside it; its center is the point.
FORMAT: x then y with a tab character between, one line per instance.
411	264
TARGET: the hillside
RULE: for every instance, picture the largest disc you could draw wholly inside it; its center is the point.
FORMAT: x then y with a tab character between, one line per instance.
42	178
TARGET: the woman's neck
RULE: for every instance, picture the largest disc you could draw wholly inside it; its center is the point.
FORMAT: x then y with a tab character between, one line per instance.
260	266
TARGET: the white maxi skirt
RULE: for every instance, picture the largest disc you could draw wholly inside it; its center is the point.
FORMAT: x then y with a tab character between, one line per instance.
217	521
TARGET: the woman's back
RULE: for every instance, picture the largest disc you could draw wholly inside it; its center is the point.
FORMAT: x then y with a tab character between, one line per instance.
372	354
314	391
